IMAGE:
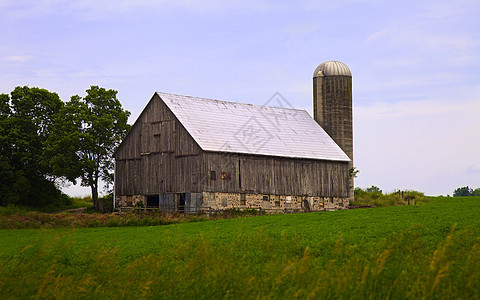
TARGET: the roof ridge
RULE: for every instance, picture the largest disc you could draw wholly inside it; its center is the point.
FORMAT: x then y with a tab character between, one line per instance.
231	102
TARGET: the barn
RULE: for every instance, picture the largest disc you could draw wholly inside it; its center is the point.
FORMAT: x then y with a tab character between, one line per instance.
187	153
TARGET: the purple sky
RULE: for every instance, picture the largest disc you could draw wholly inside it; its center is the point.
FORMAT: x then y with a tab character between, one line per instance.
415	66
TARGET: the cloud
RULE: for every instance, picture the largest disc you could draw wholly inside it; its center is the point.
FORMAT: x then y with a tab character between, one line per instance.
18	58
379	35
445	9
474	169
427	145
302	29
99	10
423	108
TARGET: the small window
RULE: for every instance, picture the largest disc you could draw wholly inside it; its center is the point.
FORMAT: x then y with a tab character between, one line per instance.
213	175
265	198
288	200
224	201
243	199
226	176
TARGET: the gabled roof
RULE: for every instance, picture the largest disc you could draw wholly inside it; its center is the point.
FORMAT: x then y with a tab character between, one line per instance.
223	126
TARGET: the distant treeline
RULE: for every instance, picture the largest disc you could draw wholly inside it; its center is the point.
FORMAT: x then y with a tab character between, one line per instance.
44	140
374	197
466	191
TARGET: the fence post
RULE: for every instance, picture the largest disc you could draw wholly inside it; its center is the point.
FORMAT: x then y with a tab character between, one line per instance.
260	210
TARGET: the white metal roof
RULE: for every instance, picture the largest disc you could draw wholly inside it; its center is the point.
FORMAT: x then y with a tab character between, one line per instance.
253	129
332	68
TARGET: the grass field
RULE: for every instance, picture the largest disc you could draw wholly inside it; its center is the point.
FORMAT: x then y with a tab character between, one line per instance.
75	202
430	251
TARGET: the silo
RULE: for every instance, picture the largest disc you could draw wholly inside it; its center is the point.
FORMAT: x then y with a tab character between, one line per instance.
332	105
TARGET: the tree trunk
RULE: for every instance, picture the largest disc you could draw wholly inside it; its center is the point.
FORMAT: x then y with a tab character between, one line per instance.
95	196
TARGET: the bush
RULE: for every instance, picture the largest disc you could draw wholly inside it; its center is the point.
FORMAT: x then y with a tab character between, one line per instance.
106	203
85	201
374	197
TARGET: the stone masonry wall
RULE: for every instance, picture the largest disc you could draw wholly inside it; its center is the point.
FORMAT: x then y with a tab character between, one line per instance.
130	201
274	203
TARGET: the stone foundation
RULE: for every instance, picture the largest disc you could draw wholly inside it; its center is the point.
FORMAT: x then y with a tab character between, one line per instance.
220	201
130	201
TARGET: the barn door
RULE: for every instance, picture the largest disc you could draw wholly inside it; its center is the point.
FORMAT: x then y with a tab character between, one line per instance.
167	203
181	202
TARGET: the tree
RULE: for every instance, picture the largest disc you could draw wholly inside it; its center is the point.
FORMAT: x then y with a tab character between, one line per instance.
353	172
463	191
87	132
476	192
26	121
374	190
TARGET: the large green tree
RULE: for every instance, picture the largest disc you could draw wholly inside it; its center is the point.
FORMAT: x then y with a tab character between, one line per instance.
27	116
87	132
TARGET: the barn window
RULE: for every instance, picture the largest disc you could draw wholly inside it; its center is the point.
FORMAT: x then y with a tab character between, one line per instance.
153	201
243	199
226	176
288	200
224	201
213	175
277	200
265	198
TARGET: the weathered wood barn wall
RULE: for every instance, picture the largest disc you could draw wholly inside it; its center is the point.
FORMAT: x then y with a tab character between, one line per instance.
159	156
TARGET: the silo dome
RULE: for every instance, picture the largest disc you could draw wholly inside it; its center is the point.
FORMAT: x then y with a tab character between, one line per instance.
332	68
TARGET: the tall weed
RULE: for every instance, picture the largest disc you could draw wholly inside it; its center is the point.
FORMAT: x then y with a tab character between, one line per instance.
252	265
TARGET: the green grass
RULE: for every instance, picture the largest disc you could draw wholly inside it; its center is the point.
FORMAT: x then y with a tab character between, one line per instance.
75	202
85	201
430	251
37	220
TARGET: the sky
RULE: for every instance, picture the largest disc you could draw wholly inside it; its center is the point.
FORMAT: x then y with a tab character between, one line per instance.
415	68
